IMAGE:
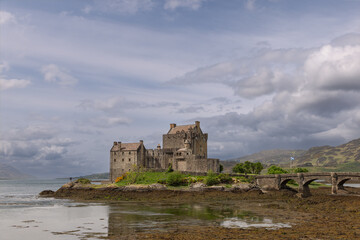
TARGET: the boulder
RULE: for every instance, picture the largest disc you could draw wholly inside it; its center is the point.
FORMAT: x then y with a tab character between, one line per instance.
47	193
197	186
136	188
243	187
218	188
157	186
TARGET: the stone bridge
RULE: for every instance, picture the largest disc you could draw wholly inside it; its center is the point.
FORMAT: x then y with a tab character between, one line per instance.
279	181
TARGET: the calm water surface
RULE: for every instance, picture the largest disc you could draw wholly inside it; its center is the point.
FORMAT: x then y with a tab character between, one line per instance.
25	216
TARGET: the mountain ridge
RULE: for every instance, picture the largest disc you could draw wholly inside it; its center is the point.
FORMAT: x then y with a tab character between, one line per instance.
8	172
318	156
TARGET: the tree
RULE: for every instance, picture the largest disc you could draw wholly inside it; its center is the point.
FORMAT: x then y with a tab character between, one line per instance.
239	168
221	168
276	170
258	167
248	167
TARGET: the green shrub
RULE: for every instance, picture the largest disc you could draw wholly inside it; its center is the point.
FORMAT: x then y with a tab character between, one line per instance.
211	179
190	180
300	170
162	181
170	169
221	168
224	178
248	179
175	179
83	181
276	170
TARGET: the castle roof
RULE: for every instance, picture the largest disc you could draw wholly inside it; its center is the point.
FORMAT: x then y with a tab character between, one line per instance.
126	147
180	128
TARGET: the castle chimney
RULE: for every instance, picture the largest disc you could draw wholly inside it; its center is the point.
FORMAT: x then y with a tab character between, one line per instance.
197	124
158	146
172	125
141	141
119	143
115	143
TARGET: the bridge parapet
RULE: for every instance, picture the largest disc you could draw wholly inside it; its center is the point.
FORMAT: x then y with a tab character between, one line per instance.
278	181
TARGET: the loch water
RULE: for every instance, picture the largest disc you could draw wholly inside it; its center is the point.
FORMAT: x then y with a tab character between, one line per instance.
23	215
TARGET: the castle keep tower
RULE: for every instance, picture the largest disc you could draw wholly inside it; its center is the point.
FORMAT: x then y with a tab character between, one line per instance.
184	148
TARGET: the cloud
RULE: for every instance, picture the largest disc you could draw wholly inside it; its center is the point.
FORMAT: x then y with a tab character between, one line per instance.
4	66
6	17
334	68
191	4
34	147
120	6
121	103
6	83
268	72
250	4
109	122
191	109
305	97
53	73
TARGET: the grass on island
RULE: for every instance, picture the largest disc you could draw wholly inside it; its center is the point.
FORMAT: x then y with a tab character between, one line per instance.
176	179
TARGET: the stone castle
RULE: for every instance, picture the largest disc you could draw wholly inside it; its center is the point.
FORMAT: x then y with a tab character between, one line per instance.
184	148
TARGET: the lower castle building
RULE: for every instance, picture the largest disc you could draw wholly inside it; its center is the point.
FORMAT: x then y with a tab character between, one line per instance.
184	148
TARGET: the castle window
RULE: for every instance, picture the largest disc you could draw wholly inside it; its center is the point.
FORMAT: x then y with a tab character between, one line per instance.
114	160
129	159
114	153
129	153
122	159
122	153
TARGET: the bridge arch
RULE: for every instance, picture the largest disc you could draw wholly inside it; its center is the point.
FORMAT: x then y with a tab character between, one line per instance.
340	184
308	181
284	182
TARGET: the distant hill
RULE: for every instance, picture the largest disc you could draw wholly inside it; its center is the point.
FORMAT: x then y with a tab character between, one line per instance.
97	176
345	157
269	157
328	156
9	172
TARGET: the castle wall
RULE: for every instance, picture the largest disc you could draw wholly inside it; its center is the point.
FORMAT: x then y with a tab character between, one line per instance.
174	141
154	158
123	161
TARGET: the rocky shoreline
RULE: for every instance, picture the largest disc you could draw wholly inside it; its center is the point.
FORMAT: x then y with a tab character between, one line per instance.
152	192
320	216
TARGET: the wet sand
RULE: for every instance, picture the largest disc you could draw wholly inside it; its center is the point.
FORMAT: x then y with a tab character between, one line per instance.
320	216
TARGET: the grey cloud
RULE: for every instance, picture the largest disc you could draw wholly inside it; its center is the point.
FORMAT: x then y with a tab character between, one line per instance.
310	97
268	72
191	109
120	6
121	104
30	133
108	122
350	39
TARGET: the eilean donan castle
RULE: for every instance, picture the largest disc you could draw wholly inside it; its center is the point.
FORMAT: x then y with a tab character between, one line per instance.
184	148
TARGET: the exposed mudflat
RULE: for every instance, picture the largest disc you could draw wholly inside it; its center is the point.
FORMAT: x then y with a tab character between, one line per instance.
320	216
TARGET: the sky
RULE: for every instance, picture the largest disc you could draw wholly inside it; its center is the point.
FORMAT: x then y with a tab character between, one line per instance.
77	75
